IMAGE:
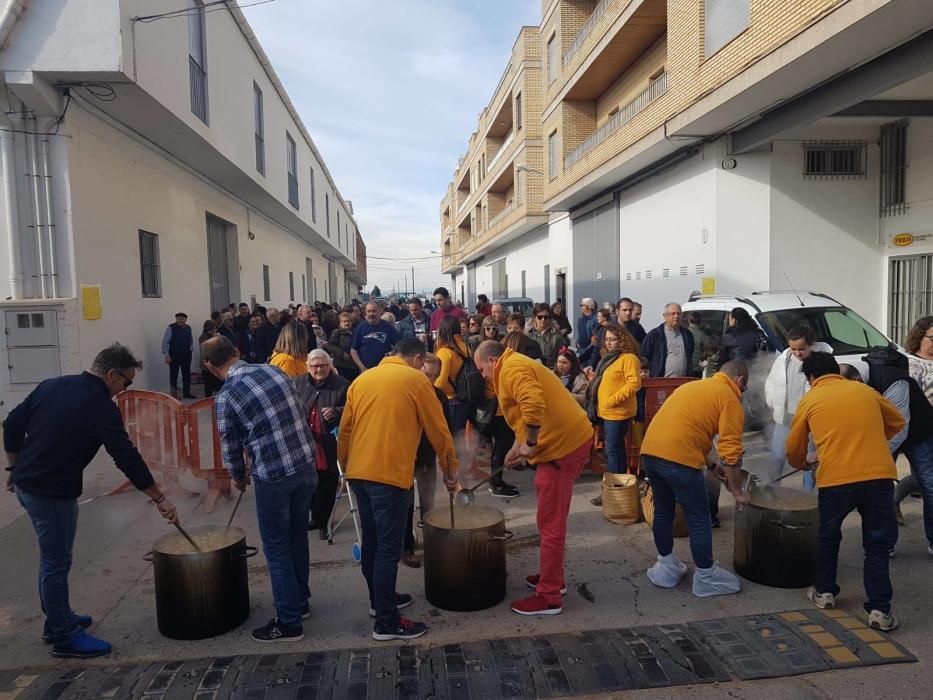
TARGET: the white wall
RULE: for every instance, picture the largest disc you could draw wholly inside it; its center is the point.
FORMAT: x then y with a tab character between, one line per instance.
918	219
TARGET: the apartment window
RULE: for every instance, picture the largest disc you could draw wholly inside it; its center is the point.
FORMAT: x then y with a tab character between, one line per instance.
552	58
313	198
197	60
524	290
724	20
553	154
327	212
547	284
894	168
260	130
304	289
338	228
500	281
266	295
149	269
291	286
834	160
518	111
291	157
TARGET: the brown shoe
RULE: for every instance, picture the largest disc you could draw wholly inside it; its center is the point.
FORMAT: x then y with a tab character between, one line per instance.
898	516
411	560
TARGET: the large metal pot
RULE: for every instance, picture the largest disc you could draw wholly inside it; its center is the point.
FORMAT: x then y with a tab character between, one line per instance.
464	567
201	595
776	538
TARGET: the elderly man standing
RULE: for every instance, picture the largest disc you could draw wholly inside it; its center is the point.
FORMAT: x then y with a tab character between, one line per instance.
553	433
258	409
177	348
49	440
390	406
501	317
851	425
373	339
674	456
669	347
586	327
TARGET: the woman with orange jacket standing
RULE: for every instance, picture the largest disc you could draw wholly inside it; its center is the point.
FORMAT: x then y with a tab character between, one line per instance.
613	386
451	349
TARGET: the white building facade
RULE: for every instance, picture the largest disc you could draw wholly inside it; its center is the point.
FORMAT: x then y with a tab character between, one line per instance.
151	164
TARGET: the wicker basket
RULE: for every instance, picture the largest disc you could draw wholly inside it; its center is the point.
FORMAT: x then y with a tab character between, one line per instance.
620	498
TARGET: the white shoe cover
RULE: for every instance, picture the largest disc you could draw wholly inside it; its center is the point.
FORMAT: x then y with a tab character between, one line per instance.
667	571
715	581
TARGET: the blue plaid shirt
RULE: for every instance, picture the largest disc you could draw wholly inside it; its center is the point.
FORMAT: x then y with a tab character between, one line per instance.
257	408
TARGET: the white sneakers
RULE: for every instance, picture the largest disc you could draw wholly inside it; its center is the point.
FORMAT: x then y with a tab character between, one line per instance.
880	621
668	571
824	601
715	581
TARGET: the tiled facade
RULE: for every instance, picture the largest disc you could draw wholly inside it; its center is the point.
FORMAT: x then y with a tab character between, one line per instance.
596	77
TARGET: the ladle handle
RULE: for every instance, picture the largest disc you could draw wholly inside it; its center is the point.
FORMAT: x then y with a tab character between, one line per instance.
188	537
451	494
237	505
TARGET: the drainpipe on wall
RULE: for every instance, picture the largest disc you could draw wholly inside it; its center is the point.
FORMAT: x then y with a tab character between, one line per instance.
46	174
33	142
11	11
11	211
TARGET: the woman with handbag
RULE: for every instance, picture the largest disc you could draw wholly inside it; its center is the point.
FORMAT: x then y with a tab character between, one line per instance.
323	394
611	397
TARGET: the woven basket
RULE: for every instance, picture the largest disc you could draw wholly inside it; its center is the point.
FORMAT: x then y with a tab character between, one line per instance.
647	507
620	498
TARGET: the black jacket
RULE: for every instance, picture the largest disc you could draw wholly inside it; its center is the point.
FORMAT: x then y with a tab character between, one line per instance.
57	430
331	393
267	336
739	344
655	349
338	344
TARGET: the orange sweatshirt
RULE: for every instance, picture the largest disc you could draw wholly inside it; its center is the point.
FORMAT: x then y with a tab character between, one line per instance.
531	394
292	366
617	388
851	424
684	427
387	409
451	363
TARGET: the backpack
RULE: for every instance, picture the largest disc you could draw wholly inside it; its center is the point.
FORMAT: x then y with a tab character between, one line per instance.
470	387
886	365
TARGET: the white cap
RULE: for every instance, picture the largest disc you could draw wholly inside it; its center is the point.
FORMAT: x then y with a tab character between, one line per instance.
588	301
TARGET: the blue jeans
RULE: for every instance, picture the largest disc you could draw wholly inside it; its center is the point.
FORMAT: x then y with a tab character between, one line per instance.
383	516
614	434
920	456
55	521
282	510
779	456
874	500
674	483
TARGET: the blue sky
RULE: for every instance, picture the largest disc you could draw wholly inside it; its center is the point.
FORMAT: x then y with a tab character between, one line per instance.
372	82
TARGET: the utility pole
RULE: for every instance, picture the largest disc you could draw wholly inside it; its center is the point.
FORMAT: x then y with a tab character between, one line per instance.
413	292
406	285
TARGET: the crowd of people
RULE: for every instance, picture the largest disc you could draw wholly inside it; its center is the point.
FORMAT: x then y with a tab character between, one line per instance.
305	389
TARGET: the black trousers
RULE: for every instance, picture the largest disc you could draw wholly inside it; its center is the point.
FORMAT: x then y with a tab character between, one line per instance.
502	440
322	504
182	361
211	383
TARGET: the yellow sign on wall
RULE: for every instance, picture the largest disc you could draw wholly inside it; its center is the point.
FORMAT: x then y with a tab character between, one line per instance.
902	240
709	285
91	309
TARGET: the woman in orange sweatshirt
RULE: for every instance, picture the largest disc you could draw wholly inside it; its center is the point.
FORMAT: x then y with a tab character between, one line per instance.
451	349
613	387
291	350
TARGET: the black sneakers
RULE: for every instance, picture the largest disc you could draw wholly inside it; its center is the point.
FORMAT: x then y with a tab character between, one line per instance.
504	490
402	600
274	632
407	629
305	610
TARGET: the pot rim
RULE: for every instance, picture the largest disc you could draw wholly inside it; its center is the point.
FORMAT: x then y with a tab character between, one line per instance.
496	518
194	531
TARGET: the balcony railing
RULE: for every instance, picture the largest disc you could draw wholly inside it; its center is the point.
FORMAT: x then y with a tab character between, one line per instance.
585	31
463	203
619	119
501	215
198	79
502	149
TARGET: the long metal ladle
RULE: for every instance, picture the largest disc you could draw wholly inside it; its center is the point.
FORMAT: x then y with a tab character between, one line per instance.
467	497
188	537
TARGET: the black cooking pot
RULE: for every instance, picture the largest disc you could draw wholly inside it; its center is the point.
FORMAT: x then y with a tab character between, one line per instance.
464	567
776	538
201	595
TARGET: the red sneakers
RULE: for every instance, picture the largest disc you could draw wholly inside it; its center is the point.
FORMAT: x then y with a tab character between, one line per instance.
535	605
532	582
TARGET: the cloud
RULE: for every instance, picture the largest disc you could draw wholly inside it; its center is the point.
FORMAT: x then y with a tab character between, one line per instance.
390	92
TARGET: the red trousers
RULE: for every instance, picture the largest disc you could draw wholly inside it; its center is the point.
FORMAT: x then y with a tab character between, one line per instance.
554	486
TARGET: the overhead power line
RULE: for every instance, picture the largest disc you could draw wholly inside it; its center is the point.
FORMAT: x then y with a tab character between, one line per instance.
206	8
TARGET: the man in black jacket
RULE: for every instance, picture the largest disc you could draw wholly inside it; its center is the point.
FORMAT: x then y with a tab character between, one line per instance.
669	347
49	440
626	311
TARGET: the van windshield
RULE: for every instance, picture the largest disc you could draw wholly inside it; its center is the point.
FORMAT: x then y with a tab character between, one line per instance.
842	328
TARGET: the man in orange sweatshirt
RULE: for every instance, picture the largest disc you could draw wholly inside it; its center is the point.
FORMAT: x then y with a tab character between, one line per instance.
851	424
390	405
552	432
674	455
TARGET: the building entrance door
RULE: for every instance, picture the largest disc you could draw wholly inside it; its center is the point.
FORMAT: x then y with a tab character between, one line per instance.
910	293
218	262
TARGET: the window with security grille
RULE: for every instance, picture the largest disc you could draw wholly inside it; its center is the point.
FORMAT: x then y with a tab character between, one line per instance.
313	199
292	161
553	154
260	130
723	21
835	160
291	286
150	271
266	292
894	168
197	59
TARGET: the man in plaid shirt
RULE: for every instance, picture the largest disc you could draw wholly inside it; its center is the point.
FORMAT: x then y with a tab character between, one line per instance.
257	409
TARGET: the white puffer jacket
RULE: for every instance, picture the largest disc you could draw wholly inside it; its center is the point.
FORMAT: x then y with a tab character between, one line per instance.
776	384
